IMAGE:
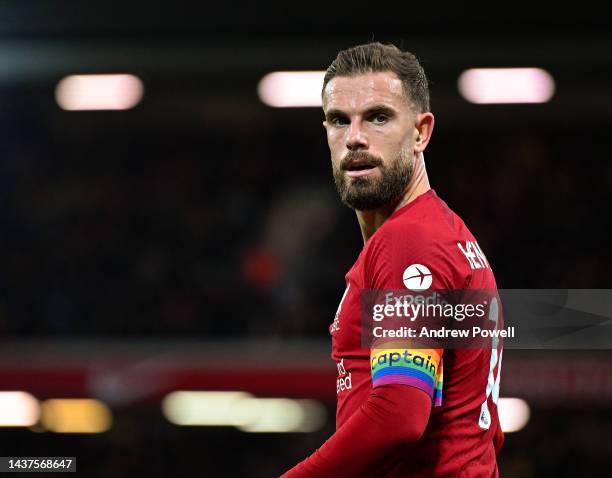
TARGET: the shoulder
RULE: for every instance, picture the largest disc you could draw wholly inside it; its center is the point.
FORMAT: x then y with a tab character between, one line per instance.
429	223
423	239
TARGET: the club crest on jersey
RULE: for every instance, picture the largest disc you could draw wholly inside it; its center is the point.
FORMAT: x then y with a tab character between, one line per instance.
417	277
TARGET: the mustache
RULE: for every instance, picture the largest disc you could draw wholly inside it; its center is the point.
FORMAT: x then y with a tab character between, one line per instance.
360	157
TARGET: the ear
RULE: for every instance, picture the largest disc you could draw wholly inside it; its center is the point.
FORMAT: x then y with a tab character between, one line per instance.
423	129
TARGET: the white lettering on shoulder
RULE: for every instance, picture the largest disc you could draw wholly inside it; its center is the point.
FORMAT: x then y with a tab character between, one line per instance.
474	255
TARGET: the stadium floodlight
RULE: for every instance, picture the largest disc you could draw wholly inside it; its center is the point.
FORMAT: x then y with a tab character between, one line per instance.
99	92
204	408
291	89
513	414
243	411
18	409
75	415
284	415
506	85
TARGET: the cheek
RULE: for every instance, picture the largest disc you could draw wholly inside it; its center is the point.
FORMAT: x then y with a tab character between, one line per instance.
336	144
398	140
335	136
389	143
336	157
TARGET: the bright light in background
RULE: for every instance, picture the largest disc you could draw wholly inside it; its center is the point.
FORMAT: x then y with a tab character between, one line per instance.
72	415
244	411
506	85
283	415
203	408
18	409
513	414
99	92
286	89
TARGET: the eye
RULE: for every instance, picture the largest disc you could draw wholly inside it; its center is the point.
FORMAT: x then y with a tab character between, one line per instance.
380	118
338	120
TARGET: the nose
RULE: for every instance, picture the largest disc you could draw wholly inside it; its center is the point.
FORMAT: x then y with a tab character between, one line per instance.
356	138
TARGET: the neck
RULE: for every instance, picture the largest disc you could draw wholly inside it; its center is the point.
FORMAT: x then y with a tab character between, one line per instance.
371	220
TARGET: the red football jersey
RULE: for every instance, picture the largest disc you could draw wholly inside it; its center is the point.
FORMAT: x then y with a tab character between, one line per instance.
427	242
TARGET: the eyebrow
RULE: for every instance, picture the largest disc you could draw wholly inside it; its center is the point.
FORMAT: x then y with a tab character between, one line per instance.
376	109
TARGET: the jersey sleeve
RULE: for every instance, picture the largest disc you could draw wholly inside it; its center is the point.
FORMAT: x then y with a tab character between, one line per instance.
419	368
400	259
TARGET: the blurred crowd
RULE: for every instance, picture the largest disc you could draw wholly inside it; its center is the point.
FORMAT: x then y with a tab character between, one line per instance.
133	225
115	226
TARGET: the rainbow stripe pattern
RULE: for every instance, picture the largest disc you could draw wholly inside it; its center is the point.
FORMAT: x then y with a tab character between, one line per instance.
420	368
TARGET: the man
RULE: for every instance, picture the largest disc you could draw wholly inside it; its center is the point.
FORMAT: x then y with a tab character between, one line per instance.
395	421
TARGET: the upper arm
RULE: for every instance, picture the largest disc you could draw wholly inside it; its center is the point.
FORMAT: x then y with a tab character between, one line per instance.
405	410
392	263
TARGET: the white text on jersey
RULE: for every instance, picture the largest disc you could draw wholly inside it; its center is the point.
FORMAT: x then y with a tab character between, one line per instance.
474	255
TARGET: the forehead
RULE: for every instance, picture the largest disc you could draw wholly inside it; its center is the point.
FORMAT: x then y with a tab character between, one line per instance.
361	91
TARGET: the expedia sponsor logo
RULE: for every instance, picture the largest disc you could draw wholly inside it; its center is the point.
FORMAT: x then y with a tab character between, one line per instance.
417	277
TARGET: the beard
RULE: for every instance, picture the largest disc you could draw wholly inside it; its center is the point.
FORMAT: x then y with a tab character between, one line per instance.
364	193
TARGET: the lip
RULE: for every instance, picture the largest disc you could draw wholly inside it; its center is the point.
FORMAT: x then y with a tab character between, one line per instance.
361	172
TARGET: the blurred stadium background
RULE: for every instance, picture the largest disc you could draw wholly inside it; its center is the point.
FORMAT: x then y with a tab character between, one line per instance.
193	240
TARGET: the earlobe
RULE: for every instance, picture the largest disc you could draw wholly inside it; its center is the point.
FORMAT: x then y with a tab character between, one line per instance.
425	126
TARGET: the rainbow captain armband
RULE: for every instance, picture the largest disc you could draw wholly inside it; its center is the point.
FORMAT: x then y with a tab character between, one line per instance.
420	368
